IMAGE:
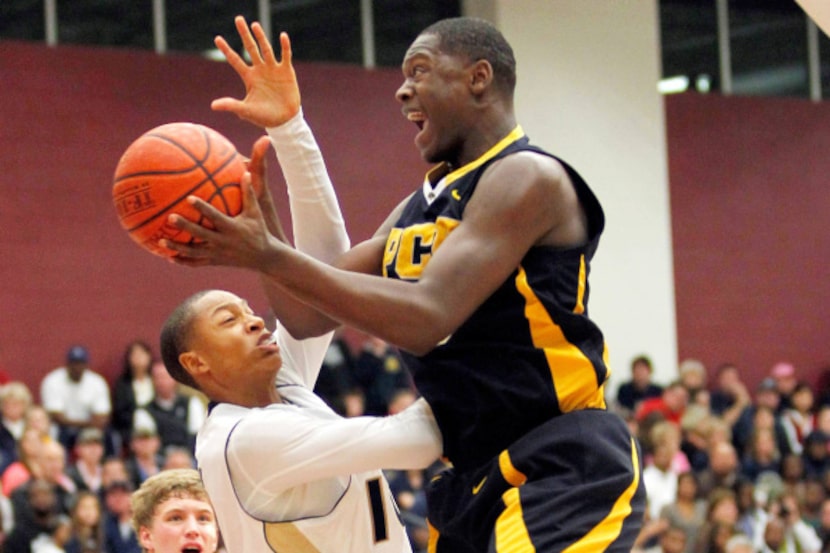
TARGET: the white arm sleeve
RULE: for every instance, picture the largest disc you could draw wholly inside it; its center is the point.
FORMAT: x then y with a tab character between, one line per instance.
309	447
317	223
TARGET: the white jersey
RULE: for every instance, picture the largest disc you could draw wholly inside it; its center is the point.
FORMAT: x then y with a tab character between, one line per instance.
295	477
292	477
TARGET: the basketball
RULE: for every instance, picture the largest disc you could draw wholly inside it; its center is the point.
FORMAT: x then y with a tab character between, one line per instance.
165	165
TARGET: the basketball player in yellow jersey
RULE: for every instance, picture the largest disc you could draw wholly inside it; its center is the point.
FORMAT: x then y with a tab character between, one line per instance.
480	278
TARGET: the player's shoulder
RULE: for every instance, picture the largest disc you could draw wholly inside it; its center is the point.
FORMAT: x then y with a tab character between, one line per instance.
535	164
534	175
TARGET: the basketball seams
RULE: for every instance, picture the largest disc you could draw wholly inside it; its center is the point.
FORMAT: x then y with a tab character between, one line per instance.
192	191
147	196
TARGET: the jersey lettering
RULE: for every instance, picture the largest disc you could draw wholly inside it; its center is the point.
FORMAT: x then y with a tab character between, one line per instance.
408	250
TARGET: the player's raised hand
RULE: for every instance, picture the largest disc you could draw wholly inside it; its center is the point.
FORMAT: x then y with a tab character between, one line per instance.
272	95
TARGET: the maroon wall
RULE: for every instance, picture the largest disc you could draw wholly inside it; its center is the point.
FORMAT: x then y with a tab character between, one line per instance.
68	271
750	199
748	191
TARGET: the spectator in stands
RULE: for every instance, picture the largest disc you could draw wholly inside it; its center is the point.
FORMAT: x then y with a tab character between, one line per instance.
792	474
178	458
113	469
798	418
75	397
336	374
400	400
688	511
119	535
815	455
33	516
672	540
27	466
751	514
784	375
794	535
145	458
670	405
723	468
659	474
823	530
86	471
763	455
721	522
38	418
640	387
766	400
52	464
695	427
692	375
15	399
132	389
53	540
729	397
739	544
814	497
87	528
176	417
380	373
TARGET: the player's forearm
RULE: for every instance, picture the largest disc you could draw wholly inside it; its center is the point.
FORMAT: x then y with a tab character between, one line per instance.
410	316
316	449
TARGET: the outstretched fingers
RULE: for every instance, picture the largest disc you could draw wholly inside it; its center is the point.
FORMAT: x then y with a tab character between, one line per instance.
265	48
285	47
248	39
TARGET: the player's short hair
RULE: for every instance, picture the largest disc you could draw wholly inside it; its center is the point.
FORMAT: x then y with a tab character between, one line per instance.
175	339
478	39
179	483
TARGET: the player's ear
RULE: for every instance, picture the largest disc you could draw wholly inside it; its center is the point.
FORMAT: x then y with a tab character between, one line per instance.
144	538
193	363
481	76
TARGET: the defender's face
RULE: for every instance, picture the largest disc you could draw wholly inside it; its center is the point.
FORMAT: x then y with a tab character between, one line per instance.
181	525
434	95
231	339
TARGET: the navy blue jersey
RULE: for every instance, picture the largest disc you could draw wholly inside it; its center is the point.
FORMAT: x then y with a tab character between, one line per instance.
529	352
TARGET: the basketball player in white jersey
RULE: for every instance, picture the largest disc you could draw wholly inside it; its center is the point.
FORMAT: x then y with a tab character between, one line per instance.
284	472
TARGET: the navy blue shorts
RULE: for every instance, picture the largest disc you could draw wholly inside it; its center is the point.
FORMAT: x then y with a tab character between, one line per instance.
572	484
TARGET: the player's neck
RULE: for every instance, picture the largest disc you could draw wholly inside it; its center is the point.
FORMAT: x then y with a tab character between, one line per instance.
261	395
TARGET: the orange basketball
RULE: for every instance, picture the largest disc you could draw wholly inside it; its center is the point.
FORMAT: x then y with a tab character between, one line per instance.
165	165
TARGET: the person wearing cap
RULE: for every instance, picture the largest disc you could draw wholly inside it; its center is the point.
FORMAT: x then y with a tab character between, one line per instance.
89	452
172	513
119	534
75	396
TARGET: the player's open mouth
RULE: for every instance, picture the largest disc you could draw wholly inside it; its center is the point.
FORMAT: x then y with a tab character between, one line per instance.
268	341
418	118
191	549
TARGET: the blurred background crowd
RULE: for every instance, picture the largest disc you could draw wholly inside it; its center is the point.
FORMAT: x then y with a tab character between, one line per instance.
727	469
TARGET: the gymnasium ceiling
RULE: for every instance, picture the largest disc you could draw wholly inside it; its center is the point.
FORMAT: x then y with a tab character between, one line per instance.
767	37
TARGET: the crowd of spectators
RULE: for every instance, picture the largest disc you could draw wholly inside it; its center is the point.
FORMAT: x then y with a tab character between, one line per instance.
73	451
728	469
